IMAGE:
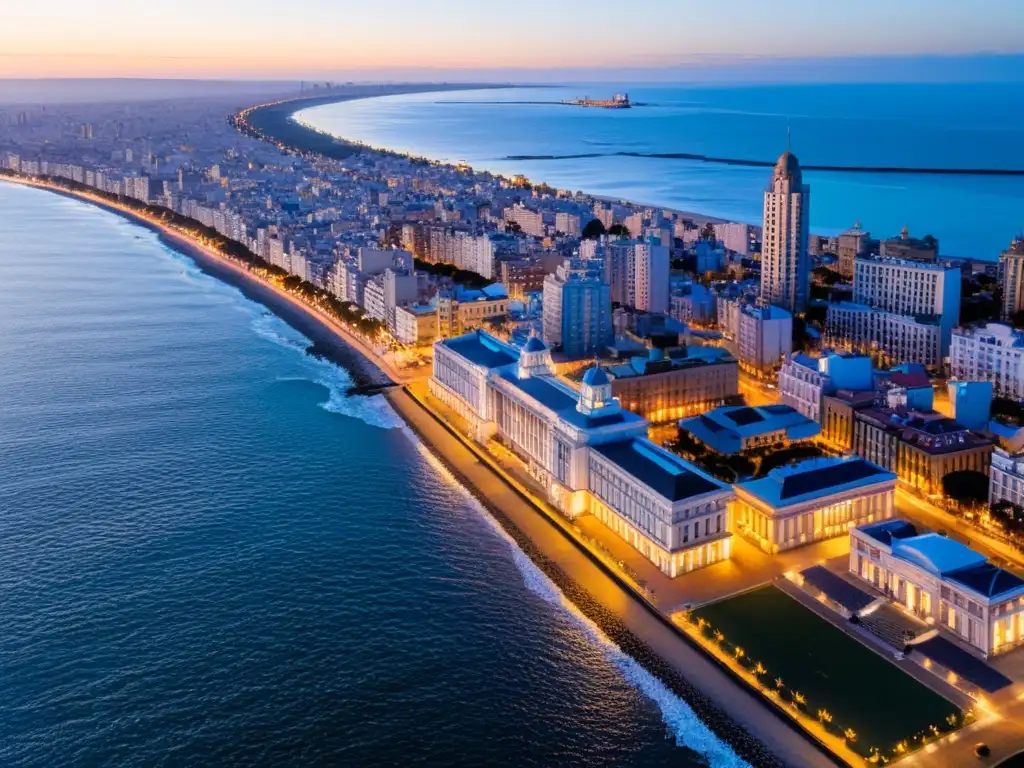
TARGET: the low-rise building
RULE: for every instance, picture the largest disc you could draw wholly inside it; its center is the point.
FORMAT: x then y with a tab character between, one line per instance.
837	412
466	309
812	500
736	428
943	582
664	388
921	448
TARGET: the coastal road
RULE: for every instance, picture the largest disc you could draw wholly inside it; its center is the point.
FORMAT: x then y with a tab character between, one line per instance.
745	707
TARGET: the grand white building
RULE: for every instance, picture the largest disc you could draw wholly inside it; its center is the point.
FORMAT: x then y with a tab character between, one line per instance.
994	353
941	581
813	500
589	454
785	260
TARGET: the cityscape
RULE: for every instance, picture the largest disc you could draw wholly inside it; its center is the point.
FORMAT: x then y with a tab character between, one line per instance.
778	470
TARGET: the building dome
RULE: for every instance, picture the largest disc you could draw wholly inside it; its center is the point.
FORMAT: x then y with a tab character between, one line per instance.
595	377
788	167
534	344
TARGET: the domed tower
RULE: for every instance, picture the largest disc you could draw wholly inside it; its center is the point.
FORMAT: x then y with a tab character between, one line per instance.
785	260
596	394
534	359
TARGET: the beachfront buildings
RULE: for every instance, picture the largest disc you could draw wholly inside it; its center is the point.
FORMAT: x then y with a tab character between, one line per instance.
812	500
588	454
1011	275
577	309
943	582
994	353
785	260
665	387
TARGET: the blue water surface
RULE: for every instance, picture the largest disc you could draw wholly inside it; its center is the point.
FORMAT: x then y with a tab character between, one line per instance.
210	555
881	125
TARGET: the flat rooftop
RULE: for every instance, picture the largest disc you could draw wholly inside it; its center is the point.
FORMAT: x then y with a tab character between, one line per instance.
815	478
482	349
666	474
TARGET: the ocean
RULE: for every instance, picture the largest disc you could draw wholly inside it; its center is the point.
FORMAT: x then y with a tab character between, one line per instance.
875	125
211	555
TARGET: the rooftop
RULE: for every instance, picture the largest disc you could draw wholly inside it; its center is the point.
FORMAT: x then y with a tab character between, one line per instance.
815	478
987	579
666	474
937	554
724	429
481	349
889	530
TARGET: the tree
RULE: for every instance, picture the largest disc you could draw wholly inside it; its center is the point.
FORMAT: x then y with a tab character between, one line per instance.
513	227
1018	319
789	455
593	230
966	486
618	230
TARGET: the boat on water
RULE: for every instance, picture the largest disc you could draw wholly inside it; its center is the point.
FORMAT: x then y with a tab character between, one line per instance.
618	101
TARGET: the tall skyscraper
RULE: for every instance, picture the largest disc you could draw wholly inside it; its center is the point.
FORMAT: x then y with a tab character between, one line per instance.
785	261
1011	272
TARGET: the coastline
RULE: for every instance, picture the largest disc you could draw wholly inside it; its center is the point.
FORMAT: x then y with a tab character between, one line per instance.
725	705
303	137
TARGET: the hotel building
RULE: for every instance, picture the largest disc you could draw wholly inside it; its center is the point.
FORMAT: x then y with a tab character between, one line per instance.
994	353
886	336
812	500
942	582
589	454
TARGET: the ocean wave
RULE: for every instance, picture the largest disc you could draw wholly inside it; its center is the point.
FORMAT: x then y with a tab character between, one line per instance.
373	410
686	728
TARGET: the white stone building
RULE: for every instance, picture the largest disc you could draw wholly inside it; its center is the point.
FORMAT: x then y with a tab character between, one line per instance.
994	353
589	454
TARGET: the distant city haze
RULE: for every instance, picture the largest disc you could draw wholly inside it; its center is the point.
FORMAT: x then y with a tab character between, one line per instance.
530	40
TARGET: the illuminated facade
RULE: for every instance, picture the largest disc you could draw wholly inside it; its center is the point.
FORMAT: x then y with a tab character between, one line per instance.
589	454
813	500
942	582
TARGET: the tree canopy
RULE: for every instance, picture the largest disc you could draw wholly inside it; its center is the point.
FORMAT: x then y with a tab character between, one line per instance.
593	230
966	486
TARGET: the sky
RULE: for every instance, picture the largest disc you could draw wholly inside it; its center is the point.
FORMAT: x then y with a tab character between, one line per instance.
453	39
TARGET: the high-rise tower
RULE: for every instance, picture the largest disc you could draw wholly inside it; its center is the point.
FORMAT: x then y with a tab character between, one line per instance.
785	262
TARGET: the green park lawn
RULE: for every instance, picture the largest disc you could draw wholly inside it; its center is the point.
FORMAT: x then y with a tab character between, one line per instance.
831	670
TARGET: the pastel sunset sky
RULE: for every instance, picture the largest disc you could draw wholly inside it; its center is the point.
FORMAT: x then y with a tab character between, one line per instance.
349	39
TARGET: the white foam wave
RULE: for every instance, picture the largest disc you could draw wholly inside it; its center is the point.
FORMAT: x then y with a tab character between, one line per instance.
374	410
683	724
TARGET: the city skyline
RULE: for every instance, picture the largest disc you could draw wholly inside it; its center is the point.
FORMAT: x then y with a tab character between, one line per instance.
401	39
